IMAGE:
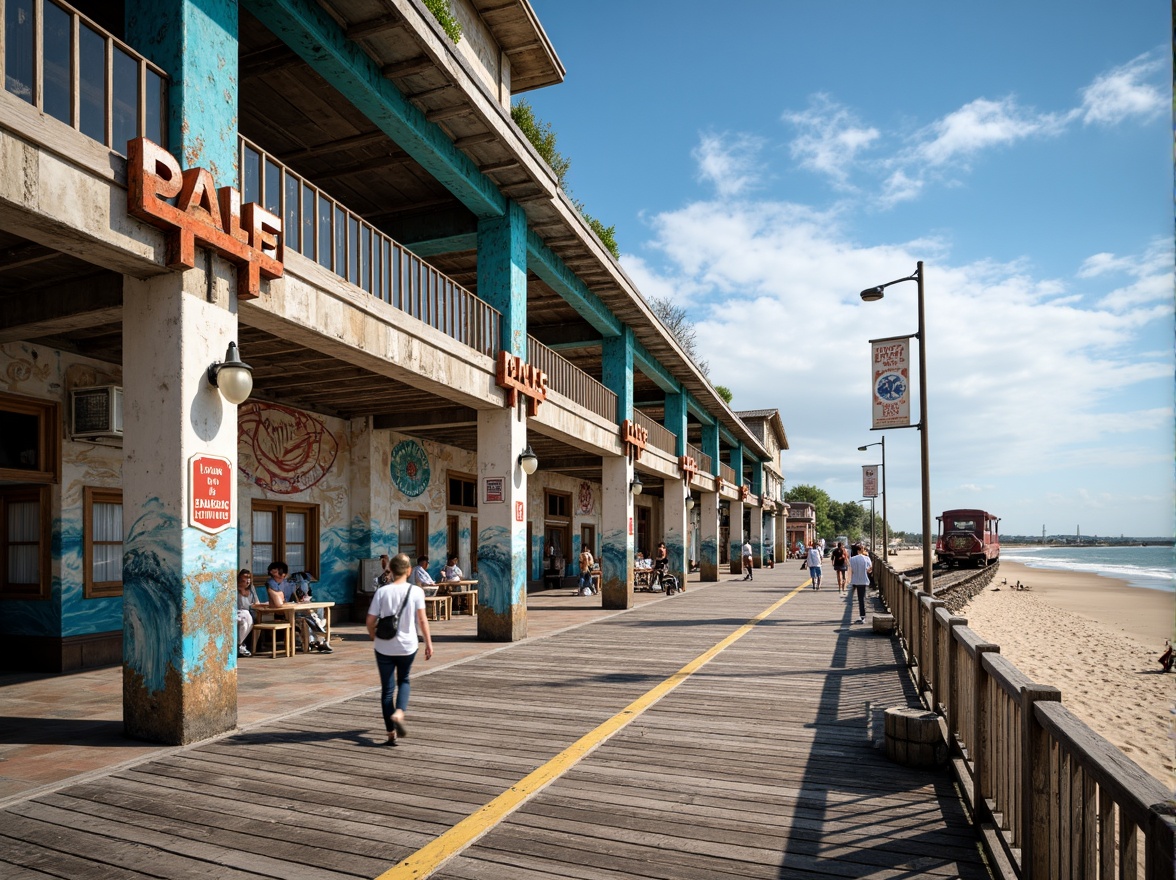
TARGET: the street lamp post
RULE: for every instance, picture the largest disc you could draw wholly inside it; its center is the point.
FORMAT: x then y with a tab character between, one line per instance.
872	544
874	294
885	534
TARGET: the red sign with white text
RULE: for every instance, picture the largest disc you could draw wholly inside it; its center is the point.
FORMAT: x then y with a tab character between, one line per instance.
519	512
210	495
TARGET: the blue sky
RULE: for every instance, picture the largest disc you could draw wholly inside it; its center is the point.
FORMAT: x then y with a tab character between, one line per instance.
765	161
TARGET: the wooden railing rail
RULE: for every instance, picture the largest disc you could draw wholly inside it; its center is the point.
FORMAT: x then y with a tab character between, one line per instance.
705	466
322	229
659	435
728	474
1057	798
69	68
570	381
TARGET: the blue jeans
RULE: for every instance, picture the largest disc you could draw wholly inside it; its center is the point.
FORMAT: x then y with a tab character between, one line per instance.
393	696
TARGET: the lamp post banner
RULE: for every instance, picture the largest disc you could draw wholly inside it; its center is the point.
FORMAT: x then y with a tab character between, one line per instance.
870	480
890	363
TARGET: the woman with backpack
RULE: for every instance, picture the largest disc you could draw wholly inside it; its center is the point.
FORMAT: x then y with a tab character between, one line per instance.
394	618
840	559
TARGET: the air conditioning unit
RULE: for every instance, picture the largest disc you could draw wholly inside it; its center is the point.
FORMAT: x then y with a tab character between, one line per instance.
96	413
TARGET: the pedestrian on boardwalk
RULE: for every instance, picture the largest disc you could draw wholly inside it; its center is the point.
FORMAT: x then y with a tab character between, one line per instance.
859	578
814	564
747	559
394	655
840	559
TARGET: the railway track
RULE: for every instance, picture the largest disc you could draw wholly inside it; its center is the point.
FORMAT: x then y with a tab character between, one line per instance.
955	586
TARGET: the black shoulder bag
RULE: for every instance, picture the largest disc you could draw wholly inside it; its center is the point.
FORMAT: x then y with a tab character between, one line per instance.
387	627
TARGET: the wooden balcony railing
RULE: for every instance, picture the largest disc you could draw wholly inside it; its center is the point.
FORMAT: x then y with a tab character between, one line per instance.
728	474
700	458
67	67
1062	800
570	381
659	435
323	230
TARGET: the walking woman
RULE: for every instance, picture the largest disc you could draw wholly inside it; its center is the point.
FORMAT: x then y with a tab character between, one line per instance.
394	656
840	559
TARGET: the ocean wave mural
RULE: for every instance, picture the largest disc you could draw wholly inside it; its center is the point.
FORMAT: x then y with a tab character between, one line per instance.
152	595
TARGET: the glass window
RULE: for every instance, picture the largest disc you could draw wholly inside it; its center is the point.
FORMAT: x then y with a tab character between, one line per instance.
285	531
340	263
155	109
307	221
57	76
18	48
103	542
28	440
273	188
24	542
92	82
290	223
324	232
125	109
462	492
252	176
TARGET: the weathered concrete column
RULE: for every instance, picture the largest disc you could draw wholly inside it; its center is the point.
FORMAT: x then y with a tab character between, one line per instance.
502	526
735	537
708	528
195	41
676	534
179	623
757	537
502	274
373	528
616	547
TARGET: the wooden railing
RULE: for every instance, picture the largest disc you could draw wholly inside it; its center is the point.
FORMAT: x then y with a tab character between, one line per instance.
67	67
570	381
323	230
1058	799
700	458
659	435
728	474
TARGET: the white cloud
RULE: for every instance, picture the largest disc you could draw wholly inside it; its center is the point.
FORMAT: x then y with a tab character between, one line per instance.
981	125
1123	92
728	162
831	138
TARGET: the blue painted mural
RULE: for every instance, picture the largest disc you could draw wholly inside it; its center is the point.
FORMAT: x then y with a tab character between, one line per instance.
500	560
152	595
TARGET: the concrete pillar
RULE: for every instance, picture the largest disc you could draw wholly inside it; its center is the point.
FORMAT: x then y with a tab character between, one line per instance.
617	371
708	529
676	526
616	547
735	537
757	537
195	41
502	274
502	526
179	601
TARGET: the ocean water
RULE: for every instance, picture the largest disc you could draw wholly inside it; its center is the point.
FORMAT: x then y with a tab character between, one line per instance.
1152	568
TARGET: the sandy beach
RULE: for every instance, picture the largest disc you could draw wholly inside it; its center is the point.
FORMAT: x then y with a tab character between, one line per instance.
1097	640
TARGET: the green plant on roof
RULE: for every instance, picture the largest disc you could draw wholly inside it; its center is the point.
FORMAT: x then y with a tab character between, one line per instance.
444	14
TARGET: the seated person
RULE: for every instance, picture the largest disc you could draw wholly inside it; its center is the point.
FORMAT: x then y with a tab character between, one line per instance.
421	577
377	580
642	562
587	568
281	591
246	599
451	571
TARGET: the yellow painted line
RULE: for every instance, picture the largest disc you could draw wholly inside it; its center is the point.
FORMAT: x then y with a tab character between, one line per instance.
432	856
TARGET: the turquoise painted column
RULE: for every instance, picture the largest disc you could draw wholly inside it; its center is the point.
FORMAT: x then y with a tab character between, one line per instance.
757	537
502	436
675	419
757	477
710	444
195	42
708	532
616	544
735	536
677	524
502	274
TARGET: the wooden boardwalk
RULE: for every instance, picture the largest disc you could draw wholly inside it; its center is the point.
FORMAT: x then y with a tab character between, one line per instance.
587	754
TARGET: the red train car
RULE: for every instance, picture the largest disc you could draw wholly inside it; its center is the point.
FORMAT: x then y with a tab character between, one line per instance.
967	537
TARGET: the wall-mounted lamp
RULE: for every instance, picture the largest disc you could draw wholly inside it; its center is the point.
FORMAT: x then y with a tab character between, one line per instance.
635	487
528	460
690	502
233	378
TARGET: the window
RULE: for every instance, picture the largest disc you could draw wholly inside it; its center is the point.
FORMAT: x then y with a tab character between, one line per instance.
102	532
412	536
24	542
558	504
463	494
285	531
28	440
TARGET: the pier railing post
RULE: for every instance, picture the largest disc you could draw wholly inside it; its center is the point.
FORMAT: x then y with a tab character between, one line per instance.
1035	784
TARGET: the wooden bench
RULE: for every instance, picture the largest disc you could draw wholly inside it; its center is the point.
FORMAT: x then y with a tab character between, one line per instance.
273	627
468	601
438	607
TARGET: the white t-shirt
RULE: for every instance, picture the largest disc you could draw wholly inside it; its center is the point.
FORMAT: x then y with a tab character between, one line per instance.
814	557
747	550
386	602
859	569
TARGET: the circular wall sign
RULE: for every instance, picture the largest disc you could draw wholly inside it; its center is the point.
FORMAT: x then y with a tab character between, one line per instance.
410	468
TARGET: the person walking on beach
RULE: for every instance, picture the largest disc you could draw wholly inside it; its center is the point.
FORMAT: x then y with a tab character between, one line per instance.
394	655
840	559
814	564
859	578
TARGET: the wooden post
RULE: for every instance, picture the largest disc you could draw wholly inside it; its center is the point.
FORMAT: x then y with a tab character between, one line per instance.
980	739
1160	851
1035	784
951	689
